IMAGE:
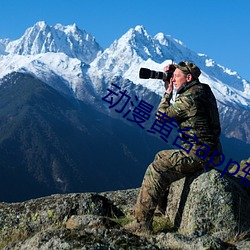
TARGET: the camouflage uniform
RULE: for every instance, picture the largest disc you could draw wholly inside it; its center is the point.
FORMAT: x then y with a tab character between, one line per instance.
195	108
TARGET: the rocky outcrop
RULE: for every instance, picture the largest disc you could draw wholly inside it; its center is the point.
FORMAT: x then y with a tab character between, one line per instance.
243	168
72	221
208	204
203	212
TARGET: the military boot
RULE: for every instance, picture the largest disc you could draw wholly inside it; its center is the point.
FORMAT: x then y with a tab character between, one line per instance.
137	226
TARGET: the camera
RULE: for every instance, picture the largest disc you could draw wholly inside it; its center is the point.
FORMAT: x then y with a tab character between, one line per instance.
146	73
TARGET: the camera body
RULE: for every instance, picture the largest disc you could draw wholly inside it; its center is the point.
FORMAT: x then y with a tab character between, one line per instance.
146	73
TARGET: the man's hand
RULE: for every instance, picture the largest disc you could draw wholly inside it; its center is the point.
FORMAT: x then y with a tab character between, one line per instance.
168	85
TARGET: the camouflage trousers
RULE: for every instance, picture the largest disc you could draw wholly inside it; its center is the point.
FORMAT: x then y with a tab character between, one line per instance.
167	167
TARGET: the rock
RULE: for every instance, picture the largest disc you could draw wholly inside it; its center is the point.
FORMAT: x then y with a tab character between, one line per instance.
243	245
20	220
85	239
90	221
208	204
178	241
208	212
124	199
241	172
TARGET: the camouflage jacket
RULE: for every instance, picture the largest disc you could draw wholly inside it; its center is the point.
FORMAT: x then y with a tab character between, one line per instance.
195	110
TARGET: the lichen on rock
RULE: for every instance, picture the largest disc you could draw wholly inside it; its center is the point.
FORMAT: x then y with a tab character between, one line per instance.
208	204
204	212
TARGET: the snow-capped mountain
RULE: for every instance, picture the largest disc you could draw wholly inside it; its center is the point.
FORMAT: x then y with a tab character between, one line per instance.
41	38
49	136
71	61
137	49
64	73
58	55
3	43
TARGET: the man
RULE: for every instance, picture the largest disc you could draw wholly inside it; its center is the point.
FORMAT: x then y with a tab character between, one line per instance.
195	111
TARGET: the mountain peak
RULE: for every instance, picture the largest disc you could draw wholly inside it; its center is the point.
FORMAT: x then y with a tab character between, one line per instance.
41	24
167	40
42	38
140	29
69	28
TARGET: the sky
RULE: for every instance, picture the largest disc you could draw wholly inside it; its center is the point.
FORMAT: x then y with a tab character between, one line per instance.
217	28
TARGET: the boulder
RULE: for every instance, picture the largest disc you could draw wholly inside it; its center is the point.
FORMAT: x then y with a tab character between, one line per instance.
84	239
90	221
207	204
21	220
207	212
178	241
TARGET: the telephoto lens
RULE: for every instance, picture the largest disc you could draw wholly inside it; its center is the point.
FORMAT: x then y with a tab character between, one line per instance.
145	73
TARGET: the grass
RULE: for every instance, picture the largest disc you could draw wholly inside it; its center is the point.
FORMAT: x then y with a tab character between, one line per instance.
238	237
160	223
123	220
15	236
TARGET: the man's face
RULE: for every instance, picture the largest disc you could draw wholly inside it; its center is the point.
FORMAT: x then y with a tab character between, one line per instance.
179	78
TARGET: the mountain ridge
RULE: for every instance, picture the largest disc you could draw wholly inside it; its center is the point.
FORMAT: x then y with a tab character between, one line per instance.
125	56
42	38
55	144
88	82
52	137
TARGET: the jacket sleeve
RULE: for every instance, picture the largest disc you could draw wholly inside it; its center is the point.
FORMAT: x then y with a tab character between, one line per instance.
182	108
